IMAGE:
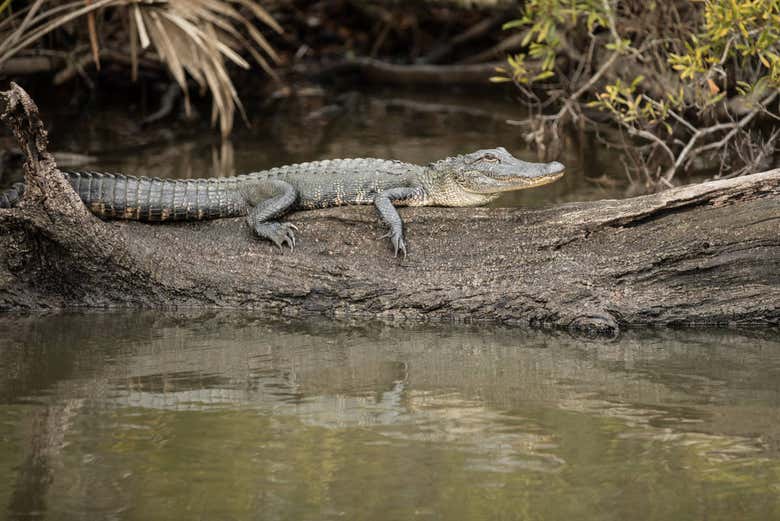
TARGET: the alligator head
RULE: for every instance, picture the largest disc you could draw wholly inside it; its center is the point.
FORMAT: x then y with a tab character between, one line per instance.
481	176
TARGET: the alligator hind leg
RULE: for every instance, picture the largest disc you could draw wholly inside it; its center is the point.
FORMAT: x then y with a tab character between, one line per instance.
267	199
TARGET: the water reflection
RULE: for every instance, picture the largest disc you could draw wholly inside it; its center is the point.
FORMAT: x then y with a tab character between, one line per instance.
226	416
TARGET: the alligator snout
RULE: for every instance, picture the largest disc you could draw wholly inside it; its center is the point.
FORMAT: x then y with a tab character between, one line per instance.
555	168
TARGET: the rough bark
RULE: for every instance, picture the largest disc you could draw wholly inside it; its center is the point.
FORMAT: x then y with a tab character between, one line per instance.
700	254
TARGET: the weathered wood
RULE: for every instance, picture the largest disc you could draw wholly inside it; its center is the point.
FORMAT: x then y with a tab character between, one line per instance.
700	254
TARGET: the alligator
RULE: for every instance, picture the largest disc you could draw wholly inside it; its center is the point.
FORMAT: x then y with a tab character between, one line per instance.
466	180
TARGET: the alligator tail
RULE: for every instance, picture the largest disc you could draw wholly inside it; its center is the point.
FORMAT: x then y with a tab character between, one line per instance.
151	199
10	197
116	196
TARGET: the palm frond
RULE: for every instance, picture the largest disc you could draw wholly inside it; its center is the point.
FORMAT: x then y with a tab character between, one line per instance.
195	39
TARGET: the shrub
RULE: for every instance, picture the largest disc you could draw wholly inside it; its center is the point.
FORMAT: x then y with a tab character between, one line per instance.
683	81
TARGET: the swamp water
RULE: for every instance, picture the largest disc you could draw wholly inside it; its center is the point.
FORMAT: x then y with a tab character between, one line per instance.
222	415
226	415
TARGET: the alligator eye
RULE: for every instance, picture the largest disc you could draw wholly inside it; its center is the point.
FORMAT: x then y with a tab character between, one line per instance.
490	158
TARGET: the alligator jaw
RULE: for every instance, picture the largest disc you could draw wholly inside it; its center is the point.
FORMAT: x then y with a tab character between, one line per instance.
551	172
555	171
540	174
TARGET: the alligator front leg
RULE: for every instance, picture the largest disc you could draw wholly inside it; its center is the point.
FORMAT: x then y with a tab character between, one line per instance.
267	199
384	204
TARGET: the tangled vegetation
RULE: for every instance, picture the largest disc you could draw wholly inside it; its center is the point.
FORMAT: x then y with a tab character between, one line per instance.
688	83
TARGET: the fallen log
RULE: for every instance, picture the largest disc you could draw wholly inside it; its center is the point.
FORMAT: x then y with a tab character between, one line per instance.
699	254
371	70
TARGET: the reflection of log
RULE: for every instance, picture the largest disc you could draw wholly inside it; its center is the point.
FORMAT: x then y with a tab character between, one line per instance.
698	254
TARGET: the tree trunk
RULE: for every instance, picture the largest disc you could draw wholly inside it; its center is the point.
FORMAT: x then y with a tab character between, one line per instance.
700	254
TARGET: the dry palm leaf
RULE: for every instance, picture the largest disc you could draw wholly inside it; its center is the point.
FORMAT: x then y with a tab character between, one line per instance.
93	36
194	38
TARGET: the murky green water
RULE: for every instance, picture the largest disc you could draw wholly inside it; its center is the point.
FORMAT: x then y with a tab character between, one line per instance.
218	415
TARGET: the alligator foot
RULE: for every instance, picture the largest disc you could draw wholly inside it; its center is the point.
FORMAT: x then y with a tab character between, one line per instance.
278	233
397	239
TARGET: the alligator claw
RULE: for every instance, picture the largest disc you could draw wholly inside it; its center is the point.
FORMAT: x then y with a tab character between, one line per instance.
397	239
278	233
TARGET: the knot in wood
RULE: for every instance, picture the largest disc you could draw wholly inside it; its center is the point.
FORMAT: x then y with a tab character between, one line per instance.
595	326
